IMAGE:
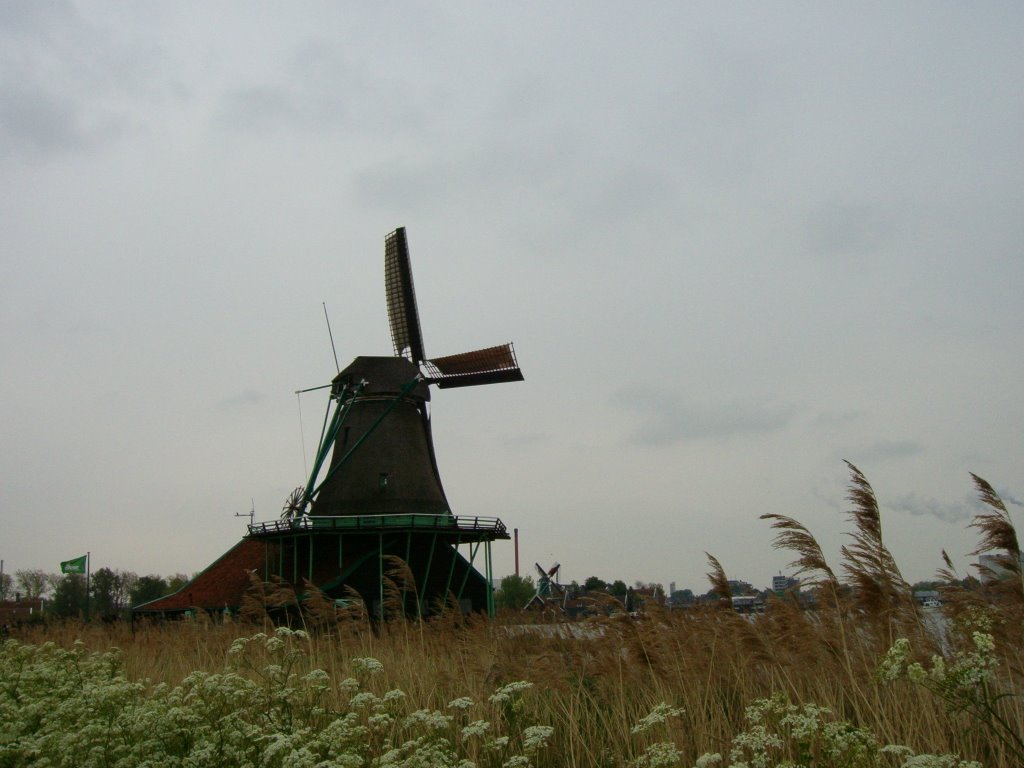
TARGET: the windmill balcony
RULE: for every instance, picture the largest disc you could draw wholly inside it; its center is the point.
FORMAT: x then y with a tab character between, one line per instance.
466	528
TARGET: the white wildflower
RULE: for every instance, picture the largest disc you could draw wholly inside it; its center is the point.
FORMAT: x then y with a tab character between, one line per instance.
349	685
363	699
708	760
805	722
660	714
897	750
368	665
662	754
983	642
475	729
428	719
463	702
916	673
895	661
318	679
536	737
506	692
937	761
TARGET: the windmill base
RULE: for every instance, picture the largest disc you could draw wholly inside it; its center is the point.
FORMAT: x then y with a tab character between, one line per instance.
412	564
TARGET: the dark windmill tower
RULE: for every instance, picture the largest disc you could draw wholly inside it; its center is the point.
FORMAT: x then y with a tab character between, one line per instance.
380	495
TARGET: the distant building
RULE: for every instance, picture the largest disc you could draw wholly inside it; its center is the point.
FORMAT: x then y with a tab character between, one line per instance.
738	587
748	603
782	584
927	596
17	611
991	569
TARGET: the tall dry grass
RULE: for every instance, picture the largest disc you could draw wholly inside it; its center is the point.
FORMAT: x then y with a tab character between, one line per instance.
595	682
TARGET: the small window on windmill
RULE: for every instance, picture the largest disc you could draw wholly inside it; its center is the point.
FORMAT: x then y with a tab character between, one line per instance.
382	480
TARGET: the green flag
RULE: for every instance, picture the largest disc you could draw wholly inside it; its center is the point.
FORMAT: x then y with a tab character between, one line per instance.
73	566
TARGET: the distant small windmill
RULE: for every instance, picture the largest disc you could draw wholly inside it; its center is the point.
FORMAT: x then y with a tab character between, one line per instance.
549	591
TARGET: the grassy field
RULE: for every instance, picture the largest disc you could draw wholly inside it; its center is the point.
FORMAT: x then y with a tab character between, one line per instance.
863	680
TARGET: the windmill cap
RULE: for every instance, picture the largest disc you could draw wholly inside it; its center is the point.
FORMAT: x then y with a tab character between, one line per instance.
383	375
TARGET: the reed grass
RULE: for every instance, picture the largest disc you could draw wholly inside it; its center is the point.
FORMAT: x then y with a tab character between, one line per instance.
707	664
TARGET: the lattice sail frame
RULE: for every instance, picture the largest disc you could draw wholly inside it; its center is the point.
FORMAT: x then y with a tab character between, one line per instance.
401	298
491	365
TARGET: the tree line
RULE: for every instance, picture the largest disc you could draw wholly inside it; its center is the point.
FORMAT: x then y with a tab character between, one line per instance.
110	591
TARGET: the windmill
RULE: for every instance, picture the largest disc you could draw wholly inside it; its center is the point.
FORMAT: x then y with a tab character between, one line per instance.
549	591
380	495
379	500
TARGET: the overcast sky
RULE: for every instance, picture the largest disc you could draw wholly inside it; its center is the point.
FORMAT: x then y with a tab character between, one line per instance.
734	244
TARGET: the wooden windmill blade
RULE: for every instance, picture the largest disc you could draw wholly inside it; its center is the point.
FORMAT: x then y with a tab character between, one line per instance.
401	297
492	365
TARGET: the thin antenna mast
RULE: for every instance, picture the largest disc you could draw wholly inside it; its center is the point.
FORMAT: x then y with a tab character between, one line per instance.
338	367
302	432
251	514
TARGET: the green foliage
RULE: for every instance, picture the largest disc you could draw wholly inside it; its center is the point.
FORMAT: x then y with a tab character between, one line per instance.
149	588
31	583
111	591
69	596
514	592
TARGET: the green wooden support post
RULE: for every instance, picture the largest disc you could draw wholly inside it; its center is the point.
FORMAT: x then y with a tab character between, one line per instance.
380	572
490	579
426	574
451	569
469	569
408	570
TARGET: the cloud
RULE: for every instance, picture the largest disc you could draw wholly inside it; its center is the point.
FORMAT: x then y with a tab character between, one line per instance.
950	512
890	449
837	418
666	418
33	122
71	83
1009	499
256	108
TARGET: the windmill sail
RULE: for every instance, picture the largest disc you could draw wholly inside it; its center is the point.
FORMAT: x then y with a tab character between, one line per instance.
401	298
492	365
